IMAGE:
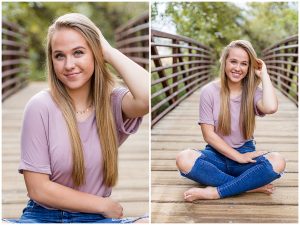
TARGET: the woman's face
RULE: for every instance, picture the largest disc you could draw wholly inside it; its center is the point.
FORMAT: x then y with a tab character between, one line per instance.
72	58
236	65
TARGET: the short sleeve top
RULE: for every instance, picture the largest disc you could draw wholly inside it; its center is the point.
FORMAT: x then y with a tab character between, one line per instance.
209	109
46	147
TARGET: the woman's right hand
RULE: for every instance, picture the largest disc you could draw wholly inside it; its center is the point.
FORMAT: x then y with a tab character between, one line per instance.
248	157
113	209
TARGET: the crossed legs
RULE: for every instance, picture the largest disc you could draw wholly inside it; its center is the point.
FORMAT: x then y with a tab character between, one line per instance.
220	184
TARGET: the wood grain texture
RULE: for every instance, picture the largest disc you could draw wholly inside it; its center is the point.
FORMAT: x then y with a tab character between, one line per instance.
179	130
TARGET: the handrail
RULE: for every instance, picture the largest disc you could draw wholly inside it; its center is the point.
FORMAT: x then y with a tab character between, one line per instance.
180	65
14	58
282	63
132	39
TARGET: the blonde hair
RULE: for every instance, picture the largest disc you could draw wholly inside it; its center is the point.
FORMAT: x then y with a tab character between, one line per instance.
101	87
249	85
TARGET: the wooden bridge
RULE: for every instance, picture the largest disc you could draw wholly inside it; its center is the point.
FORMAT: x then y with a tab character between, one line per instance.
174	120
132	190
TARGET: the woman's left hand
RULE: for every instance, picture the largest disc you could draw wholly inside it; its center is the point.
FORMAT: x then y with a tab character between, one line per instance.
262	69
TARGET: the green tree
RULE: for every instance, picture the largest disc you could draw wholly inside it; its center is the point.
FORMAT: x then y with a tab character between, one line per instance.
215	24
269	22
212	24
35	18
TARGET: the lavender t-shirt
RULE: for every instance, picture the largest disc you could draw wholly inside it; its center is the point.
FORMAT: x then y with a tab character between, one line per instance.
210	107
46	147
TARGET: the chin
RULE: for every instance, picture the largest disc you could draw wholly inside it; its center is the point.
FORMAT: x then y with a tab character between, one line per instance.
73	86
235	80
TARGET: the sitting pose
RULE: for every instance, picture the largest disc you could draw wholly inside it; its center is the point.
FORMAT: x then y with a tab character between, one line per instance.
71	133
229	164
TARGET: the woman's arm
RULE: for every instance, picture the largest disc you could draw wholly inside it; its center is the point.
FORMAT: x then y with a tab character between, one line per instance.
136	102
222	147
269	103
55	195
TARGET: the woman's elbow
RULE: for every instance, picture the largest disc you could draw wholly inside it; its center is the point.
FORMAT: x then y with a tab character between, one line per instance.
38	193
271	110
35	194
143	107
207	137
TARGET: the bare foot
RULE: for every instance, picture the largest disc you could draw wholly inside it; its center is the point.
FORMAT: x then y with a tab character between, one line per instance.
193	194
267	189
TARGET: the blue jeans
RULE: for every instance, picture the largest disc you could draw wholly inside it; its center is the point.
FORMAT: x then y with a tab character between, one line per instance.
231	178
34	213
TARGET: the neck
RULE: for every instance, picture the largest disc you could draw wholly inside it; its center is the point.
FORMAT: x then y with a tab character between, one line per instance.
235	87
81	97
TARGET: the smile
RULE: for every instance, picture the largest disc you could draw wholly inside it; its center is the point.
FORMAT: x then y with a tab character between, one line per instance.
71	74
236	75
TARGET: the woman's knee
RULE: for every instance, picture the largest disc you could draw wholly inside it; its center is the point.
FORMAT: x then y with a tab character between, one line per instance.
185	160
277	161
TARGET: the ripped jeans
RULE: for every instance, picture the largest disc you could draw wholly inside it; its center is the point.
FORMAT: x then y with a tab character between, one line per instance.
231	178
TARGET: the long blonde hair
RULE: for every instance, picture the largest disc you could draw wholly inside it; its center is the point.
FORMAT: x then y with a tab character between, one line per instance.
249	85
101	86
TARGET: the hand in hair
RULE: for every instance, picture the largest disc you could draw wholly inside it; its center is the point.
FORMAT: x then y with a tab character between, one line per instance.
106	47
249	156
136	102
262	69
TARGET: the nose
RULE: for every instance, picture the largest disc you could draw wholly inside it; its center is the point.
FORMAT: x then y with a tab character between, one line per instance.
69	63
237	67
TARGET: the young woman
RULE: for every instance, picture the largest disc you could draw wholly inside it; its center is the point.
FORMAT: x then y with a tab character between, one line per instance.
71	133
229	164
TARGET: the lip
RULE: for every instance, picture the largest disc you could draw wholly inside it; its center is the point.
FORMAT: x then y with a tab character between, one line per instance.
236	75
72	74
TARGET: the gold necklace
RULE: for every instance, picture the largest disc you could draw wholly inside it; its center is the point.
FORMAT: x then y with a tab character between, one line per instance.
84	111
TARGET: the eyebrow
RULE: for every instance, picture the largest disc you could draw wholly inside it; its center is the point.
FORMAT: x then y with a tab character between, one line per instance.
78	47
237	60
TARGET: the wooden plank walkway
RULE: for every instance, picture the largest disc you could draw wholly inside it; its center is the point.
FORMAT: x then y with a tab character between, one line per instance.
132	188
179	130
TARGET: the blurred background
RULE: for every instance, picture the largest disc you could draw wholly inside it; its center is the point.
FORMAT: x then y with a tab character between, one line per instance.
35	18
24	28
217	24
190	35
187	39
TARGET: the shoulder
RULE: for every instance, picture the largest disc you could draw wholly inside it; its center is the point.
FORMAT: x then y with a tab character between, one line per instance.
117	94
211	88
258	90
40	102
117	91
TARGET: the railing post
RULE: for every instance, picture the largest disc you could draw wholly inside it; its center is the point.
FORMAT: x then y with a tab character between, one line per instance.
175	51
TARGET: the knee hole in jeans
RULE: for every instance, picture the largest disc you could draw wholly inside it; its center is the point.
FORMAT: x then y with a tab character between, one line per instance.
185	160
277	161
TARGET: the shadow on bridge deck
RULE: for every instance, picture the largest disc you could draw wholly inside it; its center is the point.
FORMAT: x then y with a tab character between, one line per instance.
131	190
179	130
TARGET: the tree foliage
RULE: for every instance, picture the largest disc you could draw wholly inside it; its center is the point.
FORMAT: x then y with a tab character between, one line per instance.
215	24
35	18
269	23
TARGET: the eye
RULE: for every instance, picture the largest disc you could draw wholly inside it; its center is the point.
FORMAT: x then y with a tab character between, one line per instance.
233	61
59	56
244	64
78	53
